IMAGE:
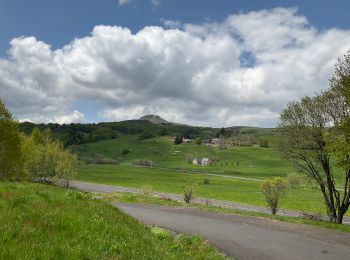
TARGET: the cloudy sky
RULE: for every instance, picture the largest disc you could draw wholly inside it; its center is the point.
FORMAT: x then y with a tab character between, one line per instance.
210	63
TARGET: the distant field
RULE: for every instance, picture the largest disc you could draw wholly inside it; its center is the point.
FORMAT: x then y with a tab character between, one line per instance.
220	188
250	161
253	162
46	222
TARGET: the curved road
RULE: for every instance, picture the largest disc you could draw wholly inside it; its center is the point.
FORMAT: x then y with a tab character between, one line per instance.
247	237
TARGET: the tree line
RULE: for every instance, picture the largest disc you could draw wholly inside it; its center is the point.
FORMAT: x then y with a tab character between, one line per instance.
34	157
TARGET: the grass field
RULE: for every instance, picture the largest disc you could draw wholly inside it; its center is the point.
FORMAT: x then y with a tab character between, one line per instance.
254	162
46	222
219	188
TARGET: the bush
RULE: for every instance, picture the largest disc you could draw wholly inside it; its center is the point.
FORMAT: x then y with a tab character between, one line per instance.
101	159
125	151
189	158
145	136
178	140
264	142
294	180
142	162
146	190
206	181
188	194
273	190
199	140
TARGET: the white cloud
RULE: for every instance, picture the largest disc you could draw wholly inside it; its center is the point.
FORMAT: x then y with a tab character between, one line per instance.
155	3
192	75
123	2
75	117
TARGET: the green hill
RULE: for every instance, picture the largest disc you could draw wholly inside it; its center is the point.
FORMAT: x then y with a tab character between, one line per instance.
147	127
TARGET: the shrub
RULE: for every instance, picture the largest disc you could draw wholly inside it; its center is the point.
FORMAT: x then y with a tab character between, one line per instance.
146	190
142	162
101	159
199	140
125	151
294	180
273	190
189	158
188	194
206	181
178	140
145	136
264	142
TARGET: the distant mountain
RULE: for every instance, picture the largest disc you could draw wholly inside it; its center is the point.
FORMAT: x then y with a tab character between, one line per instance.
154	119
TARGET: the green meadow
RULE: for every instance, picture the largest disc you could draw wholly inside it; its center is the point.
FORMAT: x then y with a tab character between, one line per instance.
249	161
243	191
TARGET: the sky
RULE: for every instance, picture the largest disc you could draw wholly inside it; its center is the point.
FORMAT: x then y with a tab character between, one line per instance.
209	63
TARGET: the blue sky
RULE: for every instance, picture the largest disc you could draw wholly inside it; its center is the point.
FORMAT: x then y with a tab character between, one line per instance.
57	22
220	66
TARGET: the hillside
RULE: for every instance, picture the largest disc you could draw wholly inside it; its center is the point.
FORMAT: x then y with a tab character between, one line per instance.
47	222
154	119
147	127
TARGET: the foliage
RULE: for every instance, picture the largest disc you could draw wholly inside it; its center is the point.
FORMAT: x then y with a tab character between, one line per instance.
315	130
101	159
206	181
188	193
178	140
189	158
145	135
46	158
294	180
199	140
143	162
146	190
263	142
273	190
10	146
125	151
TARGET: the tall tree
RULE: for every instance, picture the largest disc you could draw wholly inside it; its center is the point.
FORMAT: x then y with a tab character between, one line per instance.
316	129
10	145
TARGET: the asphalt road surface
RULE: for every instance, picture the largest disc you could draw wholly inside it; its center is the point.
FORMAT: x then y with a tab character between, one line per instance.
247	237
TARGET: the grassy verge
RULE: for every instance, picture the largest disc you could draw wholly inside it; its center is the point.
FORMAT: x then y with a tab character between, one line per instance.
137	198
46	222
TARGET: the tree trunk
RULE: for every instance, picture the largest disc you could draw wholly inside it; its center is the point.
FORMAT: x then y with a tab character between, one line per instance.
339	219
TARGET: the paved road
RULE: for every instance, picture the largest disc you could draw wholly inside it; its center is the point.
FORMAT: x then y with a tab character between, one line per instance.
93	187
247	237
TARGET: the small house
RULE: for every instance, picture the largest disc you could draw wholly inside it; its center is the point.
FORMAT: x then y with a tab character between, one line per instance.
201	161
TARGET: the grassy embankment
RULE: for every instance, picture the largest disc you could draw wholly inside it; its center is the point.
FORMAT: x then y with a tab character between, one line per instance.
46	222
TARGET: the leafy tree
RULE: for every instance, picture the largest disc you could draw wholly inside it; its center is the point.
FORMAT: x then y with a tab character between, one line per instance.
10	146
263	142
45	158
317	128
273	190
199	140
178	140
